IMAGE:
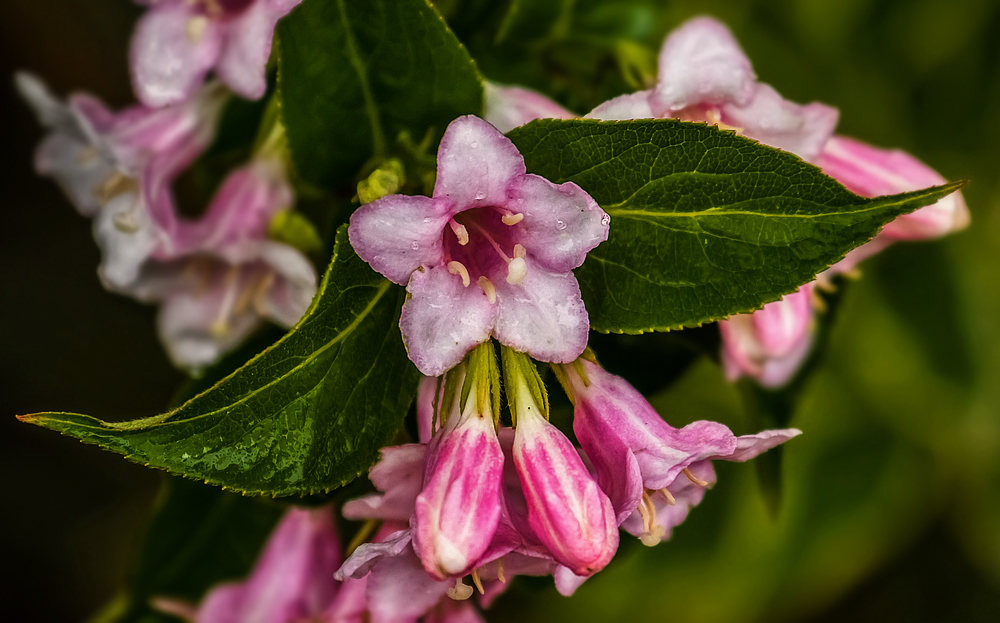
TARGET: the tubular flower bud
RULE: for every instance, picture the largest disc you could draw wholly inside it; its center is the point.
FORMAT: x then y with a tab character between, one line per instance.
771	343
567	510
458	510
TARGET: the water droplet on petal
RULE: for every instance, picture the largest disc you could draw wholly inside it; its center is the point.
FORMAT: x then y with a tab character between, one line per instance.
605	219
480	195
474	144
415	245
560	225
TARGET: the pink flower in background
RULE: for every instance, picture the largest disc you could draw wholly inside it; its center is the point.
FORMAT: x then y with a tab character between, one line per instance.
771	343
292	580
177	42
508	107
491	253
639	458
114	167
705	76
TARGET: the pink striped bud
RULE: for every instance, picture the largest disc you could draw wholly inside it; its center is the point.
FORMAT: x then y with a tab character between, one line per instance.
458	510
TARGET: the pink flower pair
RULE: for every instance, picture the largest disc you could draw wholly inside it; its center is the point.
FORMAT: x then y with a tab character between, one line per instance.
217	277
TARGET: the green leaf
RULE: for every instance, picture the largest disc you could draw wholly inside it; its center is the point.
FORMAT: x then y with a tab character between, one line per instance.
704	223
306	415
353	75
200	536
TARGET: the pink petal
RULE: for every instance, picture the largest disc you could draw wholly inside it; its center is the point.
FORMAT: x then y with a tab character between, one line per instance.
781	325
443	320
561	223
543	315
686	496
247	46
351	603
222	604
749	446
399	233
127	237
76	168
701	63
450	611
399	475
775	121
624	107
399	589
507	107
566	581
173	47
616	467
476	163
294	285
870	172
368	554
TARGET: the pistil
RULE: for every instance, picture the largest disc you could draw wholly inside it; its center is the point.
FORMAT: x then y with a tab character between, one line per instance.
461	591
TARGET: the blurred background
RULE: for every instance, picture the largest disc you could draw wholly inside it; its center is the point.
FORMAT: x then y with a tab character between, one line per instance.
890	501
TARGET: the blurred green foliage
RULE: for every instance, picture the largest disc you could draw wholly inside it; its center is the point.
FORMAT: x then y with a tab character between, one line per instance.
900	460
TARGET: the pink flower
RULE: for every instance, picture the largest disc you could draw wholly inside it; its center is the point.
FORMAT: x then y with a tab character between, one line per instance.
507	107
108	164
231	276
567	510
458	509
491	253
177	42
705	76
869	171
292	580
639	458
771	343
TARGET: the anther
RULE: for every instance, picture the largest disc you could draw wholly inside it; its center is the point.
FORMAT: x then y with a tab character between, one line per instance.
517	270
460	232
461	591
668	496
477	581
458	268
116	184
196	27
487	286
693	478
500	576
125	222
511	219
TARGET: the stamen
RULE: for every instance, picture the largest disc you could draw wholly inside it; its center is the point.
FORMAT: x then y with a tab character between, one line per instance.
460	592
519	251
487	286
460	232
116	184
693	478
668	496
458	268
196	27
477	581
220	326
260	294
500	575
511	219
86	155
715	118
126	222
653	532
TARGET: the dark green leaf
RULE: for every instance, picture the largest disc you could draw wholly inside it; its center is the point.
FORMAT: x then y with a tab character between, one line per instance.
353	75
704	223
307	415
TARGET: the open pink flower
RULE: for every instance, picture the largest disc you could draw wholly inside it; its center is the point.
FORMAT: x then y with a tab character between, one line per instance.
705	76
177	42
508	107
491	253
639	458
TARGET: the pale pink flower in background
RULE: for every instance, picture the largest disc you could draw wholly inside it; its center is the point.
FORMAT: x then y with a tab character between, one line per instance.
770	344
177	42
639	458
508	107
705	76
114	166
490	254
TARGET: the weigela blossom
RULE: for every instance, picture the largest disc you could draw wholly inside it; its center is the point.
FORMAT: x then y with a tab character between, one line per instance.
114	167
177	42
291	581
652	472
508	107
490	253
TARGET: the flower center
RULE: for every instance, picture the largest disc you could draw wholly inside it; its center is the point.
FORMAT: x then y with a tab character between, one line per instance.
480	245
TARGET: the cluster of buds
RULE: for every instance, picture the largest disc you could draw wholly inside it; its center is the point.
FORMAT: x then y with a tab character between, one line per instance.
218	277
481	499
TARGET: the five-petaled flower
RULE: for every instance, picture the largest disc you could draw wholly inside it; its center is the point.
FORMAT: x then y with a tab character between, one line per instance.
490	253
177	42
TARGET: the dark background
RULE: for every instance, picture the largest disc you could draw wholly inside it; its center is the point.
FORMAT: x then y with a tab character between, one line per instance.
891	509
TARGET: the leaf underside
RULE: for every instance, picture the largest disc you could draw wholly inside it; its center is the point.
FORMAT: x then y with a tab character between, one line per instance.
704	223
305	416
